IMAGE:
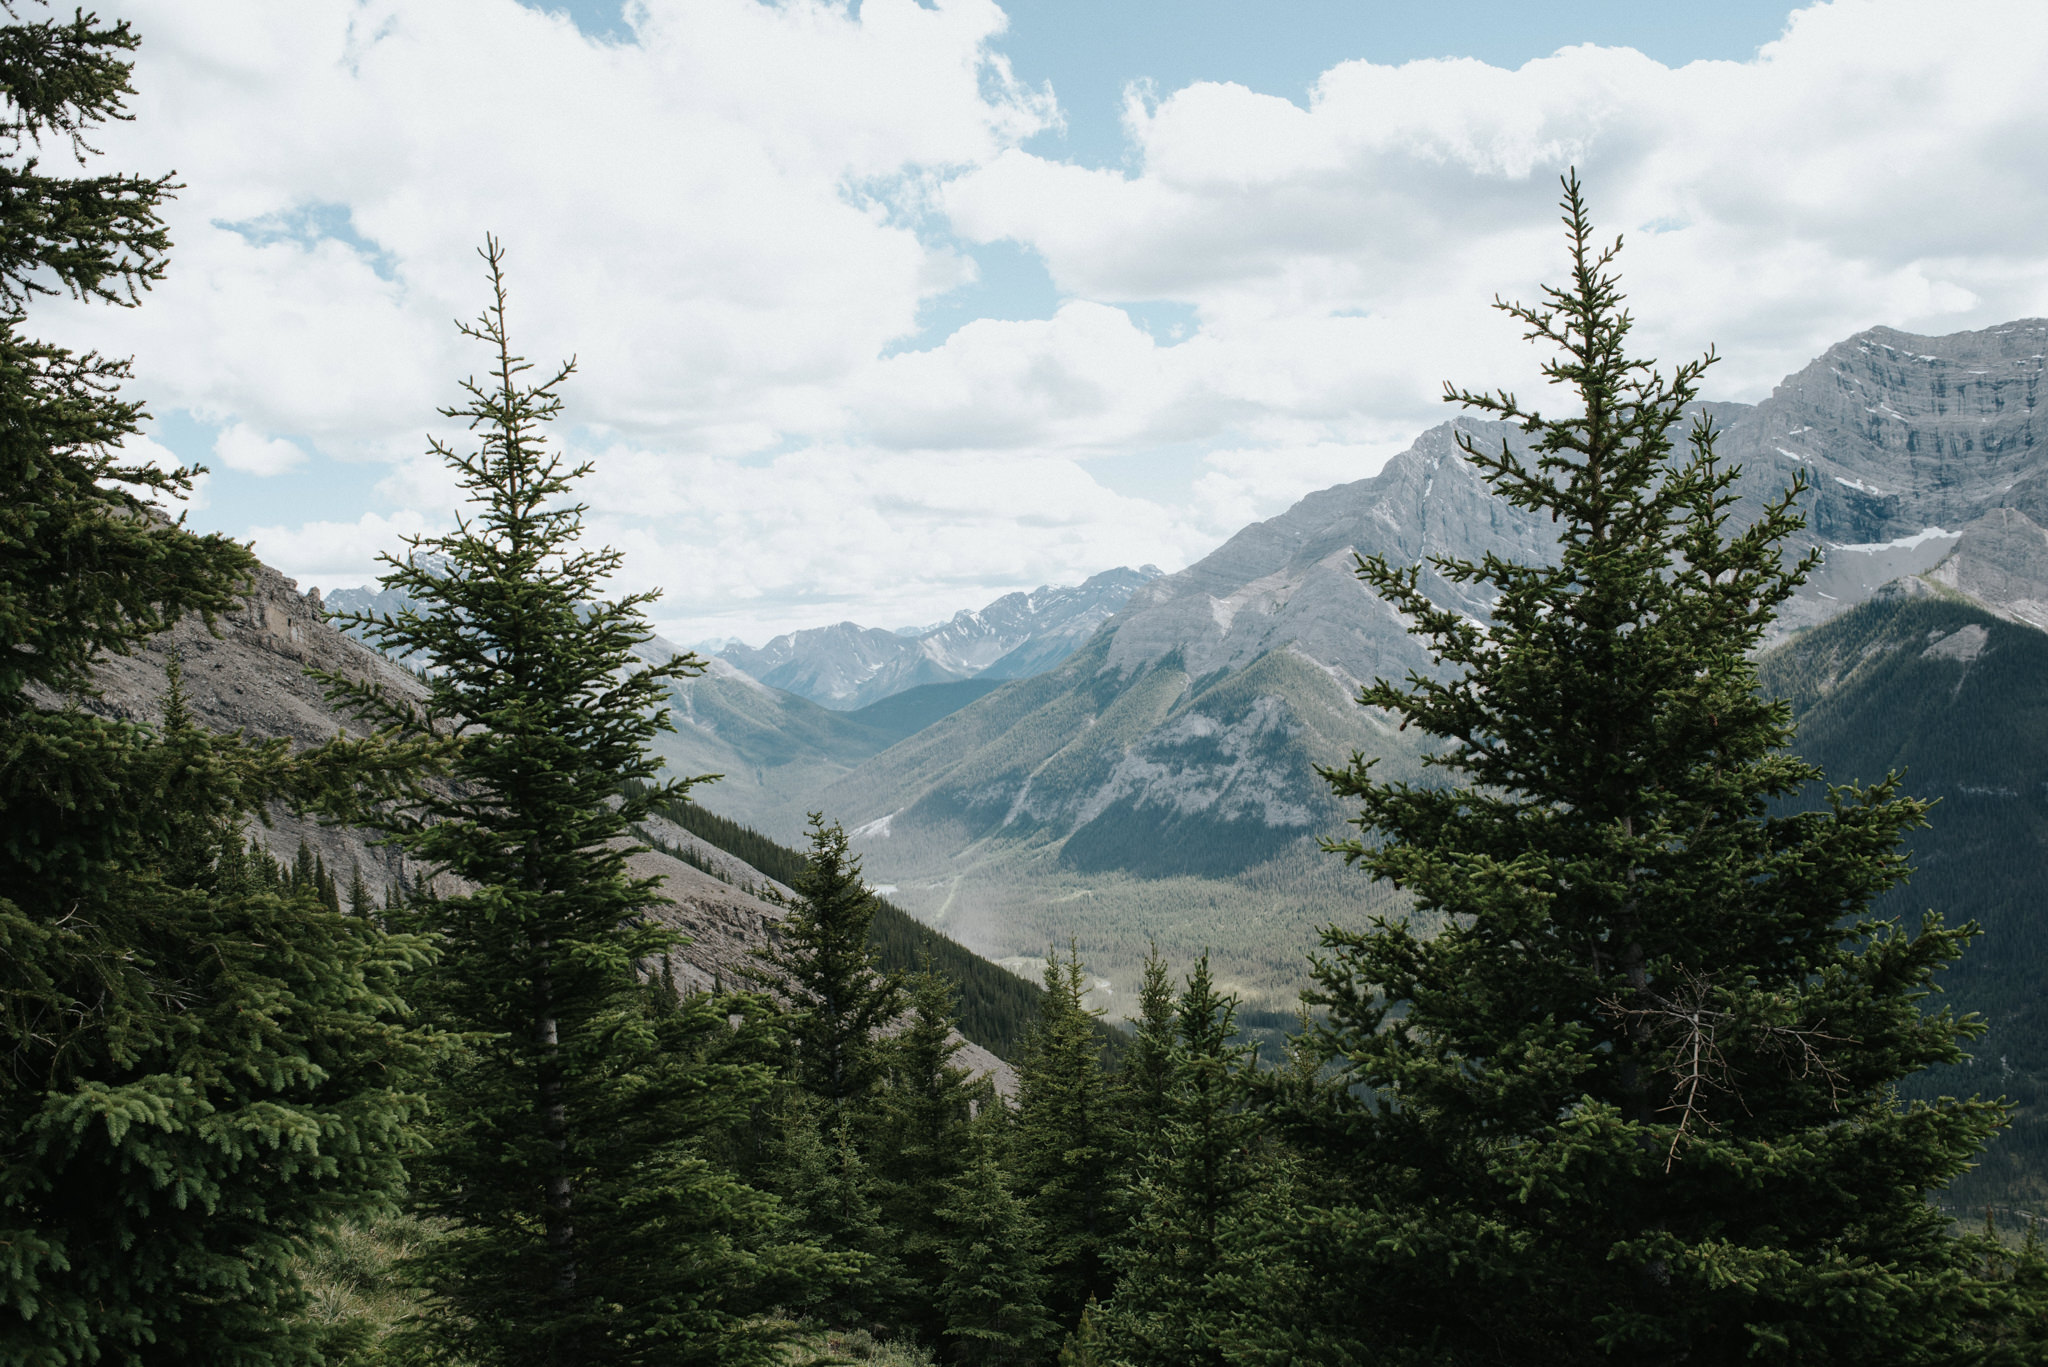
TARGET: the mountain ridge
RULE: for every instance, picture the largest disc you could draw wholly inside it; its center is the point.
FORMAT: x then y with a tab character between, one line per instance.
846	666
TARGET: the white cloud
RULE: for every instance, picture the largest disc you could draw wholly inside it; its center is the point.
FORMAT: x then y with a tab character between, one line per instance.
732	221
1879	163
138	449
338	554
241	447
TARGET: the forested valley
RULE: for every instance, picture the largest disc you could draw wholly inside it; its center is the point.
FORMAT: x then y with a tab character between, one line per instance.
1638	1096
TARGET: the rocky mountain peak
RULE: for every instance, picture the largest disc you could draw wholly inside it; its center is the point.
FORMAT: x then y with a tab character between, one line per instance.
1290	579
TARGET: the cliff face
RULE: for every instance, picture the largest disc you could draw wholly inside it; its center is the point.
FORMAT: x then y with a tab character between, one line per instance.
1926	456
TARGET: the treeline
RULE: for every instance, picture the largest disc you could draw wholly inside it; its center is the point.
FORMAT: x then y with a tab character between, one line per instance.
1636	1099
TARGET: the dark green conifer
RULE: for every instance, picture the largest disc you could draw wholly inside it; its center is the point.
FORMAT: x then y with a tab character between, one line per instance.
576	1161
825	968
1148	1063
816	1167
993	1291
1194	1192
921	1142
1065	1150
199	1074
360	903
1633	1098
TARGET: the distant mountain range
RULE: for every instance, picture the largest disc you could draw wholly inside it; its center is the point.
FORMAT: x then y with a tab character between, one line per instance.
1180	742
847	666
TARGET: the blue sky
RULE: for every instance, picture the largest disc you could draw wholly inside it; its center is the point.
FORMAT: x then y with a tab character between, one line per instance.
1091	52
882	310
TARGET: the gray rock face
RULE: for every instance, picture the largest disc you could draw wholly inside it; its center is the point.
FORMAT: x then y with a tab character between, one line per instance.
1925	458
1290	581
848	666
1183	739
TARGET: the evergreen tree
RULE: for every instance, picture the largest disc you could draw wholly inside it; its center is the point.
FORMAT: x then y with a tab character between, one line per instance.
1195	1192
202	1074
1064	1150
993	1292
921	1143
1148	1064
360	903
823	965
591	1223
817	1169
1634	1098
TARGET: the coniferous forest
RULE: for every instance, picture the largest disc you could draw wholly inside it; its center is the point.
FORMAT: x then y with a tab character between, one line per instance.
1639	1098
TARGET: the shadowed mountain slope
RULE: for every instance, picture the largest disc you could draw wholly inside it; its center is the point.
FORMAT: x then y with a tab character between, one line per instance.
1956	700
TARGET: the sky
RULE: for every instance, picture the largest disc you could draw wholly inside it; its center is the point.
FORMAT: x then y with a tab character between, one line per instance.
883	309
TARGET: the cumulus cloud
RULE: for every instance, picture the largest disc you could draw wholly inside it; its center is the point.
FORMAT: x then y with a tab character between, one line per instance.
734	220
138	449
241	447
1875	164
338	554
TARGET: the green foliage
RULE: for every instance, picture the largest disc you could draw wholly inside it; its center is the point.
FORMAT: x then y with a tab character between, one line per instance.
1885	687
1195	1194
996	1006
576	1160
1064	1150
921	1139
203	1071
1636	1097
993	1292
815	1166
1146	1078
839	998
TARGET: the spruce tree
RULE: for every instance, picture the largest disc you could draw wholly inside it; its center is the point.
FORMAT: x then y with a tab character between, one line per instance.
1148	1063
1175	1304
203	1073
1064	1150
1633	1098
921	1142
816	1168
992	1295
575	1159
823	965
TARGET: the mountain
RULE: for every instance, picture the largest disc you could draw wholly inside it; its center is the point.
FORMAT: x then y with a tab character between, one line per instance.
1925	458
775	750
1159	783
1169	765
847	666
1948	694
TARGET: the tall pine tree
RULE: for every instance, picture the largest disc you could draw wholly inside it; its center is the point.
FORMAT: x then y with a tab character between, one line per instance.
1634	1099
203	1072
993	1293
575	1162
839	997
921	1143
1194	1197
1064	1150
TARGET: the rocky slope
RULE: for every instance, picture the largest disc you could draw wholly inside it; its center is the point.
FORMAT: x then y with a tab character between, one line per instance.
250	676
848	666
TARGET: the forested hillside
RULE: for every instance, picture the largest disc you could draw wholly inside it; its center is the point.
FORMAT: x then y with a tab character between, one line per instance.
1956	700
1608	1051
996	1006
